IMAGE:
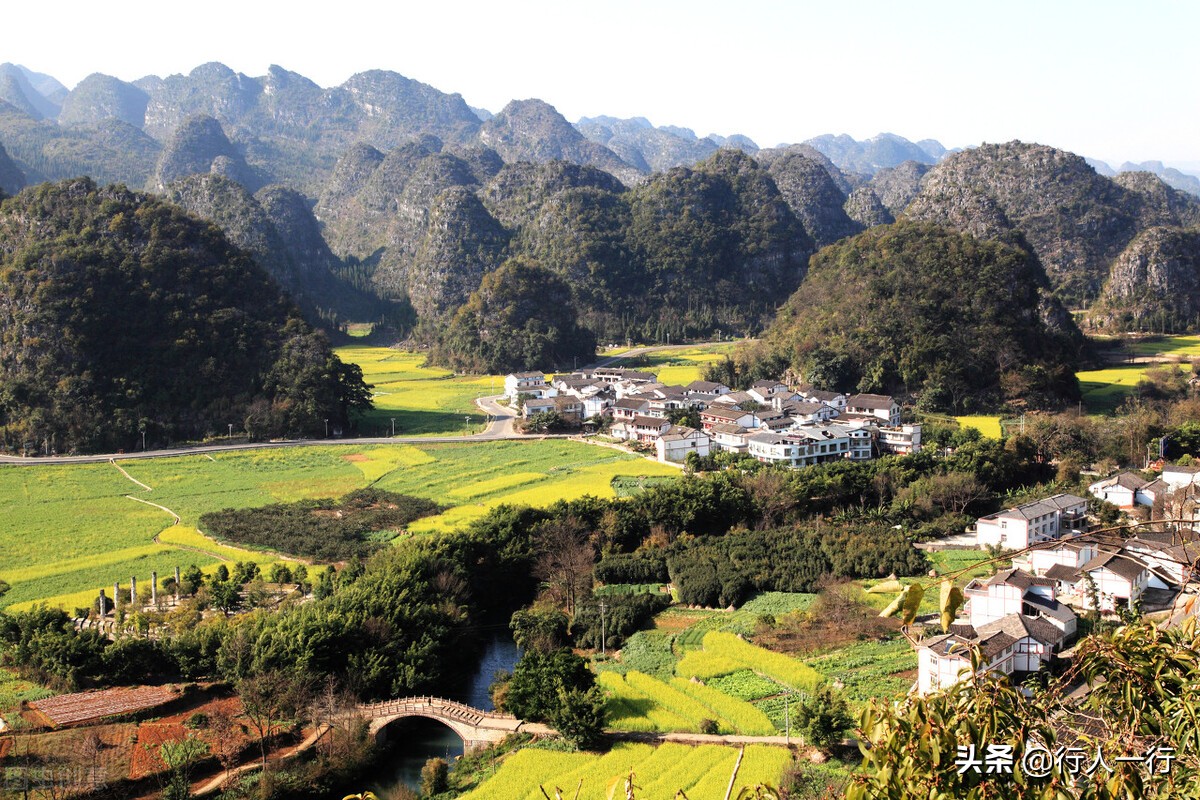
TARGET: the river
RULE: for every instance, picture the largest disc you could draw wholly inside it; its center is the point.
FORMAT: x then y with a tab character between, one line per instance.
414	741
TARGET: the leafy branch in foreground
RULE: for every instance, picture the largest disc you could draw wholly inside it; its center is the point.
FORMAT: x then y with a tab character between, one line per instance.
1143	700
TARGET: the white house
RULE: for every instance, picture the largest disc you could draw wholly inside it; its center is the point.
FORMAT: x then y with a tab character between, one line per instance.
528	383
538	405
1014	591
802	446
879	406
805	410
706	388
1120	579
1121	490
1070	553
1170	556
730	438
902	439
678	441
1031	523
714	415
1014	643
835	400
627	408
1177	477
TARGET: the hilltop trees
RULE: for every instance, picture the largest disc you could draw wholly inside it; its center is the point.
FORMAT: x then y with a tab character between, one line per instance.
520	318
128	318
958	322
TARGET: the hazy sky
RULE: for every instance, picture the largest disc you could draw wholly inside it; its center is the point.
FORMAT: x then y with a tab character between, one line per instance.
1116	81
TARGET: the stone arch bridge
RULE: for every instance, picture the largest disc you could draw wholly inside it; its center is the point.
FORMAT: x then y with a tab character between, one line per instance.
476	728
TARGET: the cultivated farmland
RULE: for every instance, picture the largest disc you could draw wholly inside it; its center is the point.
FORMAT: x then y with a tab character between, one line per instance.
66	531
423	400
701	772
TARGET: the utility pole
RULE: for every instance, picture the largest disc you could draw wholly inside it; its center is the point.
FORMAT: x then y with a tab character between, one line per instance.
603	630
787	718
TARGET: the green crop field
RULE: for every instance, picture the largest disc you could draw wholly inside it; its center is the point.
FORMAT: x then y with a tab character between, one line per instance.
1182	346
423	400
1105	389
66	531
679	367
660	772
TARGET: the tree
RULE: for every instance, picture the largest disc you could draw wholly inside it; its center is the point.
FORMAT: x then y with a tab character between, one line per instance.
580	716
823	718
227	745
269	698
539	629
180	757
533	691
566	561
434	777
191	580
1143	697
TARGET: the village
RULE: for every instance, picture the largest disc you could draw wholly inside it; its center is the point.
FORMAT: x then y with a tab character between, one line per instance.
1019	619
769	422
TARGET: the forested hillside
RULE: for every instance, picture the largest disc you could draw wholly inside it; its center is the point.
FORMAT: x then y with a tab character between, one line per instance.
122	315
918	310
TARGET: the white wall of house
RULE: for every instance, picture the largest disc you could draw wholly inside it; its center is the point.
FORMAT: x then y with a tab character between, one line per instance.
994	603
938	672
676	450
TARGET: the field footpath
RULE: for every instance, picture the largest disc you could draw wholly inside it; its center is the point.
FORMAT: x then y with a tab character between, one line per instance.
681	737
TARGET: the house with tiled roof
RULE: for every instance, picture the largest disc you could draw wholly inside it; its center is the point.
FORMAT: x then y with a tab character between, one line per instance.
532	384
728	437
835	400
1120	579
1014	620
1030	523
879	406
706	387
714	415
679	440
1121	489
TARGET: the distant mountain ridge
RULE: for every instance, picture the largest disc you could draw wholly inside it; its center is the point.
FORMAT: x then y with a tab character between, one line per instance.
417	196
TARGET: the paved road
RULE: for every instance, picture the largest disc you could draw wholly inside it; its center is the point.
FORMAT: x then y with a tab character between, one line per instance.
499	428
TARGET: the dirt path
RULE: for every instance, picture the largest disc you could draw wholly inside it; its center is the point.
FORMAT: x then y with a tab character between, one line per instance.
156	505
121	469
215	784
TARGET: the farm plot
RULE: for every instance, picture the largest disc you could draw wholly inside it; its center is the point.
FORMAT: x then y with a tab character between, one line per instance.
422	400
66	531
660	772
679	366
68	709
725	653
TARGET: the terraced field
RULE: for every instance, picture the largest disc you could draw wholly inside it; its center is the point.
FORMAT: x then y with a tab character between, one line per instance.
659	772
65	531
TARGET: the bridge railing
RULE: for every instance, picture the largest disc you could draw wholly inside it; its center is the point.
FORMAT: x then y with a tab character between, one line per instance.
430	702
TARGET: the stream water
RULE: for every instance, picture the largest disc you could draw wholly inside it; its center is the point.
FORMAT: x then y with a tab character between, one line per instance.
412	742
